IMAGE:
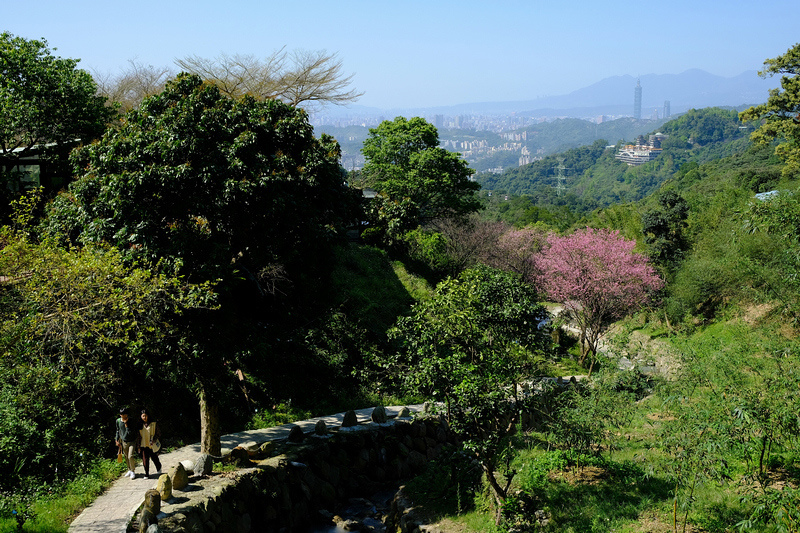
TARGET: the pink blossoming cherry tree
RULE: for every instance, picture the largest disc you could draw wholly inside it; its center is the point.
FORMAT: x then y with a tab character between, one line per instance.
597	277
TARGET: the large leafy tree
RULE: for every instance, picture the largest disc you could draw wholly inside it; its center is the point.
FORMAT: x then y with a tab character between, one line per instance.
76	327
469	347
44	99
780	115
235	192
597	277
418	181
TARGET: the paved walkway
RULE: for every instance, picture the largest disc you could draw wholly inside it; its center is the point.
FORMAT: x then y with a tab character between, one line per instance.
113	510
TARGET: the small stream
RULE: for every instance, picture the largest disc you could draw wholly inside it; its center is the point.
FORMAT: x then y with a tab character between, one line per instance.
359	514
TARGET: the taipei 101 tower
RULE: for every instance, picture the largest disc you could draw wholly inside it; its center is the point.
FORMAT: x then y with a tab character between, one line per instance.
637	101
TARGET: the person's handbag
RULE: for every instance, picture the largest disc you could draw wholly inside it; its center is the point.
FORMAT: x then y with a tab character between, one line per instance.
120	457
155	445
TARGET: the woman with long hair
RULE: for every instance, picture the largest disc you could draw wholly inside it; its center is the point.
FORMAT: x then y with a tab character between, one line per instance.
150	442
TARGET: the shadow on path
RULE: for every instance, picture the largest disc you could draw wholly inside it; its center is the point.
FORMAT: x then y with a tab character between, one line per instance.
113	510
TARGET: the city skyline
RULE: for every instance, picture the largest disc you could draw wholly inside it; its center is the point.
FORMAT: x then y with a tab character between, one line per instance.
421	54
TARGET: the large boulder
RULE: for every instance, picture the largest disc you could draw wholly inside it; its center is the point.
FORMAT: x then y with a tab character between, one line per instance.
179	477
164	487
320	428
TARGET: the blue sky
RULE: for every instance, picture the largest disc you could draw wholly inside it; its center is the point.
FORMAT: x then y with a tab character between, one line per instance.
410	53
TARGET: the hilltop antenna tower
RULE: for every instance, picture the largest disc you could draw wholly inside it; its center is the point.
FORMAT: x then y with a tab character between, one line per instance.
561	178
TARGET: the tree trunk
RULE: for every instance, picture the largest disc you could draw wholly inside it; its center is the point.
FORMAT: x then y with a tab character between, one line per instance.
497	491
210	437
584	347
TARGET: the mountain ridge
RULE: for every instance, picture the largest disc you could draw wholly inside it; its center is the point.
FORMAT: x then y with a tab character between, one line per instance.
693	88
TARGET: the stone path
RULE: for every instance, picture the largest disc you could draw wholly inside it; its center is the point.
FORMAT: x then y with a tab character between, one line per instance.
113	510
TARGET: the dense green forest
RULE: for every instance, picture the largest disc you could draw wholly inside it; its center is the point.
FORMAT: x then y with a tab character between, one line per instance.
593	178
205	237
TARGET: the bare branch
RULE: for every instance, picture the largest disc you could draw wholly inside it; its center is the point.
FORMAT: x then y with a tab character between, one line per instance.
133	84
296	78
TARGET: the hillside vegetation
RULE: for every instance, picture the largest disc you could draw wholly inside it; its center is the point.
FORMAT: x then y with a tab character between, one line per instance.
594	178
209	262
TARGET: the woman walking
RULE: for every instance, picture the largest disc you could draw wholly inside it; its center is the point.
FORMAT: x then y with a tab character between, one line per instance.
150	443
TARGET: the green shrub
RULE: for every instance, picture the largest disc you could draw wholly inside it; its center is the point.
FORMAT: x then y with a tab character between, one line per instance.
448	484
282	413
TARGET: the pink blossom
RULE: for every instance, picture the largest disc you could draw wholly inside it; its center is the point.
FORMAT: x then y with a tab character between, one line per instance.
596	275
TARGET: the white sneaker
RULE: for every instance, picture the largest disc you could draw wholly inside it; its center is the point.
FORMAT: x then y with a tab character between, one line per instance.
133	475
129	473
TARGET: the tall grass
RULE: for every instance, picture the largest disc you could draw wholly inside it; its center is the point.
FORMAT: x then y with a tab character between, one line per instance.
50	509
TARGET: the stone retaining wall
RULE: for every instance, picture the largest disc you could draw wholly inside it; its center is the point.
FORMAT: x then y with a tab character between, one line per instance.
287	492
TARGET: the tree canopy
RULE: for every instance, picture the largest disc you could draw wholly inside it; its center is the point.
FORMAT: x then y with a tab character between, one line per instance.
780	115
664	226
211	184
233	192
44	99
418	181
469	346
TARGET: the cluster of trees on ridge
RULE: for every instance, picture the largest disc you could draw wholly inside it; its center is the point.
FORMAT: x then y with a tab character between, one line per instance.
198	237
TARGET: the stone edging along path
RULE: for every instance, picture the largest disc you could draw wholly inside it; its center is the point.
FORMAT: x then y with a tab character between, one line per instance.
113	510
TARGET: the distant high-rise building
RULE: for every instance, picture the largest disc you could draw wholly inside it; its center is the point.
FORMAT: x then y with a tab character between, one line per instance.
637	101
666	109
438	121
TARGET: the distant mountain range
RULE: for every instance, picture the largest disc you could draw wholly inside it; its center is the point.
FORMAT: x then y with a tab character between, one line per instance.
611	96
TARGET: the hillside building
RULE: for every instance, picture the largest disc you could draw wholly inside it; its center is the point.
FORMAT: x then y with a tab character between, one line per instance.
38	167
639	153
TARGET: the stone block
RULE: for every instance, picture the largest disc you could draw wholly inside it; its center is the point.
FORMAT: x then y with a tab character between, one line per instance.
267	448
350	419
379	415
296	434
179	477
152	501
203	465
164	487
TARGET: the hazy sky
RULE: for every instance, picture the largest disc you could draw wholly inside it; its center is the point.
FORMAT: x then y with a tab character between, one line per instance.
423	53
